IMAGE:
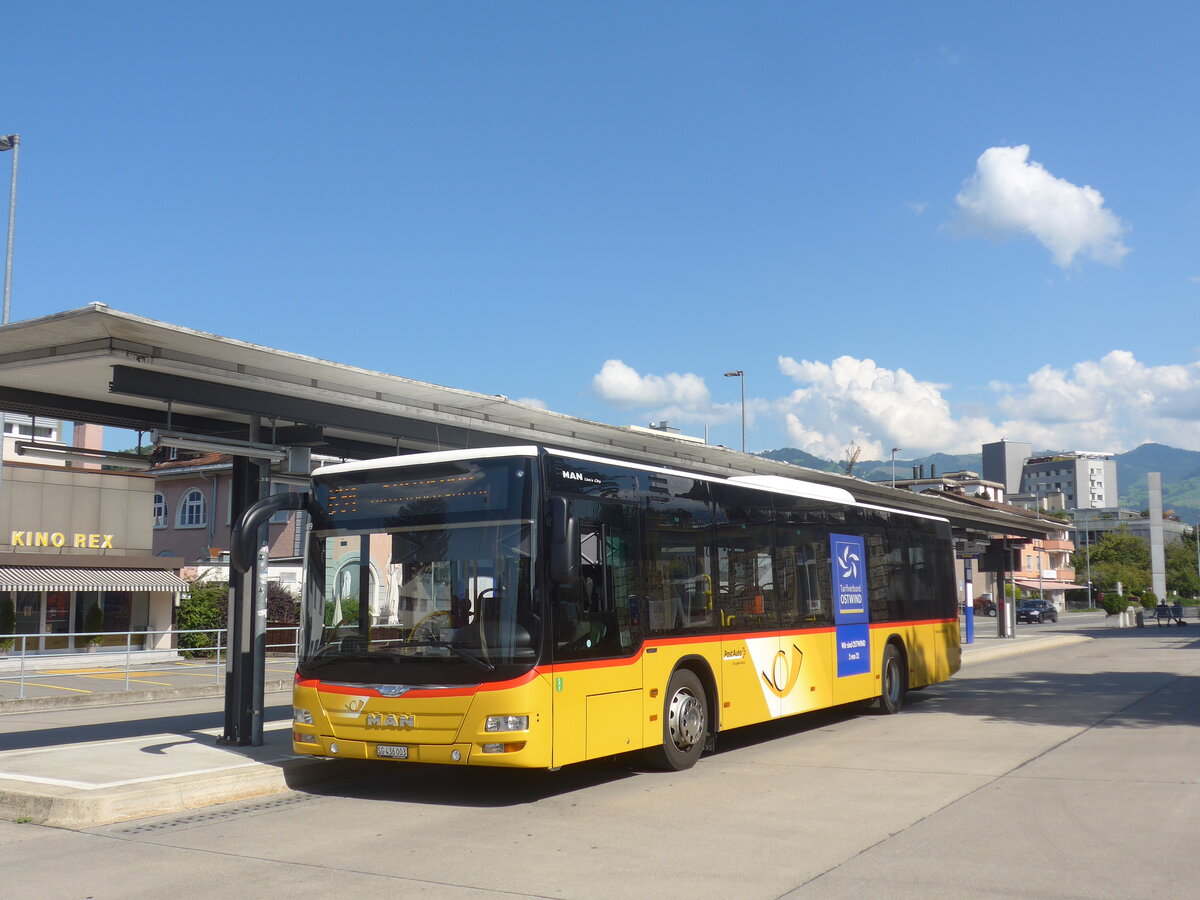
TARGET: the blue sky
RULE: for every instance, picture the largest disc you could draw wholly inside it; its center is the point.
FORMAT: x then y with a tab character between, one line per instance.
921	225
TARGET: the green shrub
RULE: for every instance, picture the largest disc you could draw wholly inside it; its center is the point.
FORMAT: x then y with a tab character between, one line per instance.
93	622
1114	604
8	622
207	607
349	612
1149	601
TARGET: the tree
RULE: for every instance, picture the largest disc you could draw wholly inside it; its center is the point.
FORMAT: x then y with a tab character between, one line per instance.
1118	556
282	607
1182	575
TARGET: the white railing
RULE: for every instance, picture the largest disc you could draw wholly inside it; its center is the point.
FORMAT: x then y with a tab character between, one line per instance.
26	655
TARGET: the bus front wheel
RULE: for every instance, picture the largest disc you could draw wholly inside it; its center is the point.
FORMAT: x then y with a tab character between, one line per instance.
893	681
685	723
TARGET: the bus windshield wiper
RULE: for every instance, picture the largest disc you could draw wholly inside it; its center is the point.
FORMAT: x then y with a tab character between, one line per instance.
457	651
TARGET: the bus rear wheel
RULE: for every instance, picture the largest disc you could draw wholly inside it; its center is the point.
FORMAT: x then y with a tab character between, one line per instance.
685	723
893	681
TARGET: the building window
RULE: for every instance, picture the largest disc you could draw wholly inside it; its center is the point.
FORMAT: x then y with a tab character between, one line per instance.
160	510
193	512
281	517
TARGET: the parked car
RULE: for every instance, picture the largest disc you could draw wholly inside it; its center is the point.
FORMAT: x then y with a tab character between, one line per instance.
1034	611
984	606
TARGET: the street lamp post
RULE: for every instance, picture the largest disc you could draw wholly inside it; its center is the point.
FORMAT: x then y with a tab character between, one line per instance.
739	374
10	142
895	450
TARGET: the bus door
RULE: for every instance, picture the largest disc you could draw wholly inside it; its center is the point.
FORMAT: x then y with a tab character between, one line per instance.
756	669
596	631
804	675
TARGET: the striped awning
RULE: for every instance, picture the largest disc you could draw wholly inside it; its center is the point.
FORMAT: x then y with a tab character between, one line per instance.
1049	584
32	578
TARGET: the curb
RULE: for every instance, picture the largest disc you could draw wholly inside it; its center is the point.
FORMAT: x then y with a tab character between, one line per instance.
1008	648
126	698
80	809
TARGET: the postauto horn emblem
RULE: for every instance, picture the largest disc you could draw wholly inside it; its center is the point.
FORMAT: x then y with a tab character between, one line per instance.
783	677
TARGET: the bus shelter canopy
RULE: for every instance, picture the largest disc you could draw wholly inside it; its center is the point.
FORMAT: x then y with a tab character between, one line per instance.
99	365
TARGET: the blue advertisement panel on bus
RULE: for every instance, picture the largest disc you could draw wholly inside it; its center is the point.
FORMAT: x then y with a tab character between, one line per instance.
851	629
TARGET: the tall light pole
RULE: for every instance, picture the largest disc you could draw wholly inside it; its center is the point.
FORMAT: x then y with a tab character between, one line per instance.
895	450
10	142
738	373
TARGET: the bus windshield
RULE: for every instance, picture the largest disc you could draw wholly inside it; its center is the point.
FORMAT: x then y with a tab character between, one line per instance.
422	576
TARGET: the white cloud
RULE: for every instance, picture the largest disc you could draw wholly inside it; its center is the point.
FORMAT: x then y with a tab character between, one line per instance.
535	402
621	385
856	401
1010	195
1112	404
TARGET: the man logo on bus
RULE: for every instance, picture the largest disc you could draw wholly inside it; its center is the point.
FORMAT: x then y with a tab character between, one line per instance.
848	562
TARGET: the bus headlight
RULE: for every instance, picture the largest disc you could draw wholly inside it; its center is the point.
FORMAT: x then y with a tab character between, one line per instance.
301	716
506	723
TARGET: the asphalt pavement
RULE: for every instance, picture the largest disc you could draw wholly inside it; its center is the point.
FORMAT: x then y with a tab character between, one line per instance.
1063	773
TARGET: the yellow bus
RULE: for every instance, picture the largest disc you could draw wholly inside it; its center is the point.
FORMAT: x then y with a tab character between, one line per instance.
533	607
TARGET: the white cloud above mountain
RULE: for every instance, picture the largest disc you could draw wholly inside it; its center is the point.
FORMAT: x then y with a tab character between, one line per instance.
1008	195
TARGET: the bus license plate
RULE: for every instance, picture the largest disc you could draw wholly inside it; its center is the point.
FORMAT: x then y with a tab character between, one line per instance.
391	751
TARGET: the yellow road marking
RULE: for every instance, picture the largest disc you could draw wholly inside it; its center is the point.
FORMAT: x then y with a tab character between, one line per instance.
113	676
54	686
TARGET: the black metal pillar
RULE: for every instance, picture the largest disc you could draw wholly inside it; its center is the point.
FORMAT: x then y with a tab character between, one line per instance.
246	659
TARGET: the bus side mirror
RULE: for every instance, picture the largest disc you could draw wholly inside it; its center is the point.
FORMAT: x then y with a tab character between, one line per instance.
564	542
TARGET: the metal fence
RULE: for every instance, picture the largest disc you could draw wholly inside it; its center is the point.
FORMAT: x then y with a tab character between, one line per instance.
24	658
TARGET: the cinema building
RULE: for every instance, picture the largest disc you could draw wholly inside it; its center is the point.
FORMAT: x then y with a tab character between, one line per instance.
73	537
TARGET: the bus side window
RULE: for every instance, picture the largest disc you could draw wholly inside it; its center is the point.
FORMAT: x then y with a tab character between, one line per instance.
802	549
745	590
679	568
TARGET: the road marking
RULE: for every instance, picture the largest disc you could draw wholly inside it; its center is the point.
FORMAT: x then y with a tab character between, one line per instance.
30	681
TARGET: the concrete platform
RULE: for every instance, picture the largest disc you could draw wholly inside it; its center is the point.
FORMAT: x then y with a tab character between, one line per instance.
100	782
84	784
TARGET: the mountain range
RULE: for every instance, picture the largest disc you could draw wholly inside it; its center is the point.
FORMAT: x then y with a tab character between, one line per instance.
1180	471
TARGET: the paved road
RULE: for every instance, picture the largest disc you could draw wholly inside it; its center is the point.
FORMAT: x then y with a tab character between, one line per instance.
1070	772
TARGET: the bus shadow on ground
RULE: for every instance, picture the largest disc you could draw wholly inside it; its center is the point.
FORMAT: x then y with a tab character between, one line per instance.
482	787
486	787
